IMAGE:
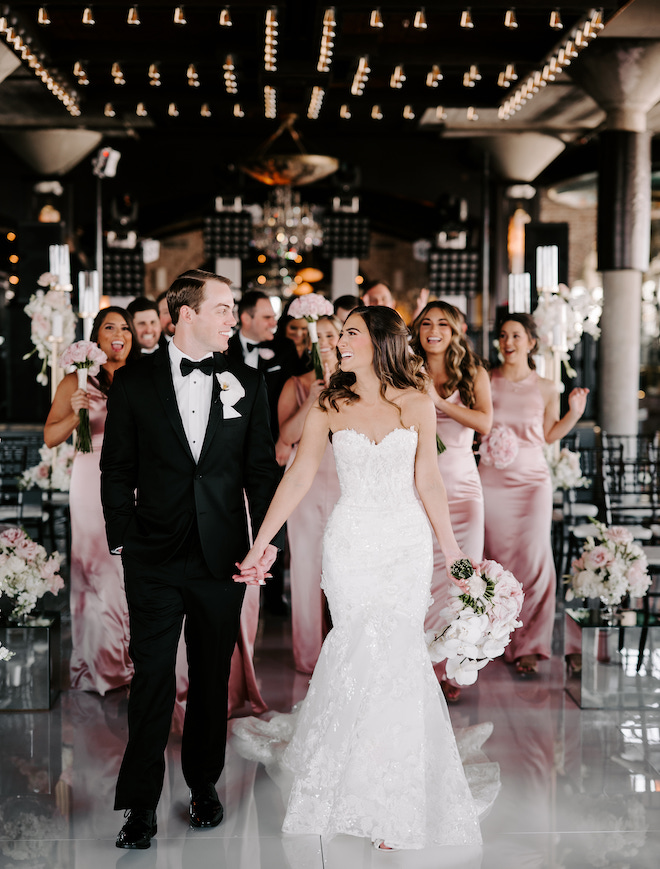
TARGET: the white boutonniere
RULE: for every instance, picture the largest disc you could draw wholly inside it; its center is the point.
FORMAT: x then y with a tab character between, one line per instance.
266	354
231	392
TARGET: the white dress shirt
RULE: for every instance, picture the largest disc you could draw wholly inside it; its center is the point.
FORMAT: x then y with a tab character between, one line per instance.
251	357
193	397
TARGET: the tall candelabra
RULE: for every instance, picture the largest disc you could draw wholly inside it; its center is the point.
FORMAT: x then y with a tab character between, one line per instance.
60	271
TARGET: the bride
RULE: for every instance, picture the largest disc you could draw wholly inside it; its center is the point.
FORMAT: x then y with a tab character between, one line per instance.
371	750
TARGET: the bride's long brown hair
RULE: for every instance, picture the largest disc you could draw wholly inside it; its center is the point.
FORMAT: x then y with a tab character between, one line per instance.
394	362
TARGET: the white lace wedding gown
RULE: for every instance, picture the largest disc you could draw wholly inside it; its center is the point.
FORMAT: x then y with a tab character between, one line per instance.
371	750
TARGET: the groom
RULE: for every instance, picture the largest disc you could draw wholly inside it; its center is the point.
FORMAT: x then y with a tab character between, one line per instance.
187	434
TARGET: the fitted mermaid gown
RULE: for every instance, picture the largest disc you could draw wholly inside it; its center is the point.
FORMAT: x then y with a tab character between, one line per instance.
370	751
518	503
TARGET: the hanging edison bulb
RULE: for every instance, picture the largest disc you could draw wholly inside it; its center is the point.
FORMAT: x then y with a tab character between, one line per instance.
179	16
42	16
108	111
376	19
510	20
133	17
225	18
466	19
88	16
555	20
420	23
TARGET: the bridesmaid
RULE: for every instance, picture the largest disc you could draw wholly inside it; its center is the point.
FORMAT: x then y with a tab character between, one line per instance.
99	614
518	497
296	330
461	393
307	522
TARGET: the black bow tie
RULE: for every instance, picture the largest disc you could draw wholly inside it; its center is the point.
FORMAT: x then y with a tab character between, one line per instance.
251	347
206	366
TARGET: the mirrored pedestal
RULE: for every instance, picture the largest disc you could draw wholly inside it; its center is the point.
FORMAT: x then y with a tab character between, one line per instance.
30	680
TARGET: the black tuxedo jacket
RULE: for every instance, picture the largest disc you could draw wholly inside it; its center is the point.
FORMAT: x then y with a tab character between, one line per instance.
153	490
276	371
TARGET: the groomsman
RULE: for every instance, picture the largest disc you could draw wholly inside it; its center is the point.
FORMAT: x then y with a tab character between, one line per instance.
147	323
255	345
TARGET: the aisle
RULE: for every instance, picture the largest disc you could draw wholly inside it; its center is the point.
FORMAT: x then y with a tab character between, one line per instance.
579	788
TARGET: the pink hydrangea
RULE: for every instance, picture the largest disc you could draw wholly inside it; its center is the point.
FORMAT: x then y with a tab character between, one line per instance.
84	354
310	307
500	447
619	534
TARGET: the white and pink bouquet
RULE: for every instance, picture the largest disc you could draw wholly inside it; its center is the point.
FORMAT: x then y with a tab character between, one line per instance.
565	470
85	357
500	447
53	471
478	621
52	317
611	565
27	572
311	307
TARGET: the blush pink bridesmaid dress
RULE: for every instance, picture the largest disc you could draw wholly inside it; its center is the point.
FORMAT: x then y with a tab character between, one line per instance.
466	508
304	530
518	509
99	614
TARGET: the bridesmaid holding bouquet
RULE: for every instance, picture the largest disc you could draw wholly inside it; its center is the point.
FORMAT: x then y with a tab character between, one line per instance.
460	390
516	483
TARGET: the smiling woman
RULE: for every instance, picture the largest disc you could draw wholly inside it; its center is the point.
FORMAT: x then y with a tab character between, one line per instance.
99	615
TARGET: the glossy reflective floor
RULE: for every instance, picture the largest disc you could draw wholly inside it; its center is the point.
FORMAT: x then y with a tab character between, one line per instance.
580	788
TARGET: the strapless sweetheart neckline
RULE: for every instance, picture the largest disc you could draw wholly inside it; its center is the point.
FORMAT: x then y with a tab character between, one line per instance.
373	443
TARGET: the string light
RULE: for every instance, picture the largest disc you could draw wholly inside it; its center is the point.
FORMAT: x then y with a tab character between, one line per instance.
376	113
397	78
344	112
408	113
270	40
376	19
238	111
108	111
141	110
420	23
172	110
434	76
471	76
361	76
270	102
179	16
472	114
231	85
88	16
555	20
133	16
42	16
466	19
225	18
510	19
80	74
327	40
440	114
315	103
191	75
117	74
205	110
154	75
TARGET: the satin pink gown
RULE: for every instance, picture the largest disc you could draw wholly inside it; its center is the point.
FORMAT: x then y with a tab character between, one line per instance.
466	508
99	614
304	530
518	509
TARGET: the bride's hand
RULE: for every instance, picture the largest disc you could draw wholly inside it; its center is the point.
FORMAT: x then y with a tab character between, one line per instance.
255	566
464	561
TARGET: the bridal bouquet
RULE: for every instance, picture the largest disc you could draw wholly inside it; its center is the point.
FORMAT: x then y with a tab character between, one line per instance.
86	357
611	565
311	307
53	471
565	471
26	571
500	447
479	619
45	308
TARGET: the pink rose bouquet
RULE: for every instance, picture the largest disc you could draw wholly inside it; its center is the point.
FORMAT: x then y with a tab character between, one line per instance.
311	307
85	357
26	571
53	471
500	447
611	565
478	621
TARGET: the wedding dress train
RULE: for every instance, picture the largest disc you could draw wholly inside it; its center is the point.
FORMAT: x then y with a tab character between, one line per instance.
370	751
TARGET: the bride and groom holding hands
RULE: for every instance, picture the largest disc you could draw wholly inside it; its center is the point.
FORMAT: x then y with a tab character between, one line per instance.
372	750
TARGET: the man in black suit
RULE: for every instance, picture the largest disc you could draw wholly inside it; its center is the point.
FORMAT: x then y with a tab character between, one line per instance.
254	345
187	433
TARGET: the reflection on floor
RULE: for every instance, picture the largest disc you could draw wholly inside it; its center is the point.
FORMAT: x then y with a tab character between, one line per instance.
580	788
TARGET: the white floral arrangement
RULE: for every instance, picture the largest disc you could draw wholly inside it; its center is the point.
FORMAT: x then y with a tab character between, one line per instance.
611	565
478	621
565	470
27	572
570	313
41	308
499	447
53	471
311	307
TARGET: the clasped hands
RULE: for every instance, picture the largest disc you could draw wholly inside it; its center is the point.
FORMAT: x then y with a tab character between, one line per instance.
254	568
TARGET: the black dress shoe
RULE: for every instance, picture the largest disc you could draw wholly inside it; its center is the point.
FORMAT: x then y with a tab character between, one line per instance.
205	807
138	830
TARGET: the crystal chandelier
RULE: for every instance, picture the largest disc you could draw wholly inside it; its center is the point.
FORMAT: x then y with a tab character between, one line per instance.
286	227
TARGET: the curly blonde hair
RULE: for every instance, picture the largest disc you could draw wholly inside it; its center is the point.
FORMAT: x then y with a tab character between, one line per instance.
394	364
461	362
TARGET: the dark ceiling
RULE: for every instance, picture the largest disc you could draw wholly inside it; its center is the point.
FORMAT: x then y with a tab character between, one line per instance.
174	154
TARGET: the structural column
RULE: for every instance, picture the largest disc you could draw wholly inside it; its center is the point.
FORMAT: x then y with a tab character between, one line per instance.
623	76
